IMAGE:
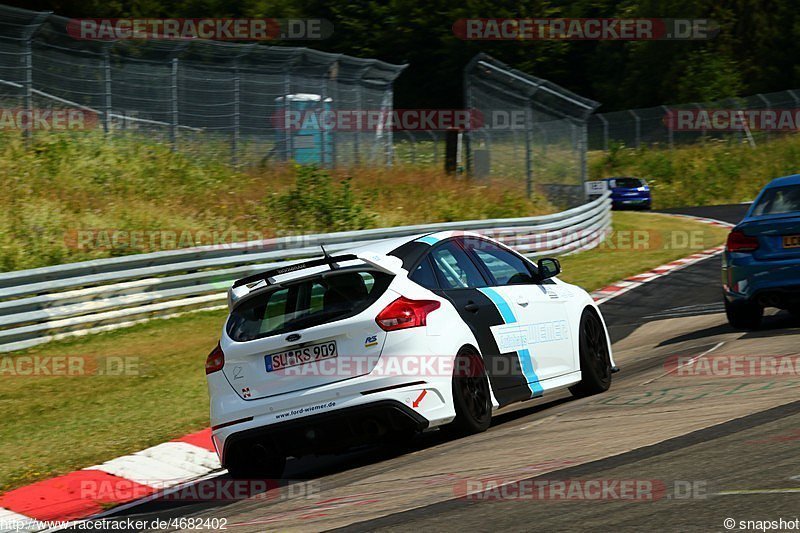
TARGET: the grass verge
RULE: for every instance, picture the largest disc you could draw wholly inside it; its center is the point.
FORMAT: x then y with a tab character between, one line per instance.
53	425
73	196
705	173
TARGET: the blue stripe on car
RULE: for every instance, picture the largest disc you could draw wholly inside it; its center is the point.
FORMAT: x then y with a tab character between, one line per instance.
429	239
524	356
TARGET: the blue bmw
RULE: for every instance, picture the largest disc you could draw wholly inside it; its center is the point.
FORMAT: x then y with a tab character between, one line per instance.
629	192
761	263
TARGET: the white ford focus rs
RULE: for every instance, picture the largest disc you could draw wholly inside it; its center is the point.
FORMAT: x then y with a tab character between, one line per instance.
397	337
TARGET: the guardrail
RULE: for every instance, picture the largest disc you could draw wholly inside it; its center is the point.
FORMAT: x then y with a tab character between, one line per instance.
44	304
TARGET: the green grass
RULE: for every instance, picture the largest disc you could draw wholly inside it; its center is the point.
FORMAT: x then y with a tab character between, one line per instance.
71	185
706	173
53	425
639	242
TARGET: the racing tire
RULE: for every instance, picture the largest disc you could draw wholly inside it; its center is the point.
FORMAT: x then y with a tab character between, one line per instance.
257	462
743	315
471	397
595	358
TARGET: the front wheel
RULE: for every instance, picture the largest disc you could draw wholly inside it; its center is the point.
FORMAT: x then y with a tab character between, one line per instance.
471	397
743	315
595	359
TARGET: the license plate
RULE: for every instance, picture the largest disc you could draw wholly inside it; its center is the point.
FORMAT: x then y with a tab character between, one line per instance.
791	241
301	355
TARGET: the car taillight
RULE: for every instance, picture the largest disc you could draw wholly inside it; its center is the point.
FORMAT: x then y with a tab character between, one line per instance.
404	313
215	360
739	242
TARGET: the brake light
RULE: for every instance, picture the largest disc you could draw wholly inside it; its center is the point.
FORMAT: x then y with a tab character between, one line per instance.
739	242
215	360
404	313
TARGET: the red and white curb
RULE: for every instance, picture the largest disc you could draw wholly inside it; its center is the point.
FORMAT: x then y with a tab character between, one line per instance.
90	491
621	287
132	479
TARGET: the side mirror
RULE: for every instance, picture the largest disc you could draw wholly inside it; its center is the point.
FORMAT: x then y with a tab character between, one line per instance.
548	267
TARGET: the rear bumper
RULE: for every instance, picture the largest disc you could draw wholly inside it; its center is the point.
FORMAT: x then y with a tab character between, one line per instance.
429	399
768	283
331	431
630	201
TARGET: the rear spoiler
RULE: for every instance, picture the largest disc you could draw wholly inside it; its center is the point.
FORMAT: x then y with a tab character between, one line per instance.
243	287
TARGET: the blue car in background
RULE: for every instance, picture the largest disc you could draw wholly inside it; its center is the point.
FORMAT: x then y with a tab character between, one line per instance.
761	262
629	192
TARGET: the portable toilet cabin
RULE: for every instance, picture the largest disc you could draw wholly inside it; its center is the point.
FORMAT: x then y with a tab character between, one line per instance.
302	137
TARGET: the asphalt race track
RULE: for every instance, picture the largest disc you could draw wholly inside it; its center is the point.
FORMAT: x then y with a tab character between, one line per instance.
710	447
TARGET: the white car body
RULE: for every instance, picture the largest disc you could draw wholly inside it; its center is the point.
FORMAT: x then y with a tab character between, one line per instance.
402	376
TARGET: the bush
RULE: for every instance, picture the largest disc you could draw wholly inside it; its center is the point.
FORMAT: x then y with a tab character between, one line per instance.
316	204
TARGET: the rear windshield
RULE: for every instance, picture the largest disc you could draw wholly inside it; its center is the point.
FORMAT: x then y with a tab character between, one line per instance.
627	183
305	303
778	200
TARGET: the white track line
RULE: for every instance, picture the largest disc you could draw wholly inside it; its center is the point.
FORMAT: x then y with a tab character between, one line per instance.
687	363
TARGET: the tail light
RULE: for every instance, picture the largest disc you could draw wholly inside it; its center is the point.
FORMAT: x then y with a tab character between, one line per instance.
739	242
215	360
404	313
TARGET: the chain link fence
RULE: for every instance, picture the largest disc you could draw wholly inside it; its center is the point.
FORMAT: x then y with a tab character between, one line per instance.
215	98
529	127
653	126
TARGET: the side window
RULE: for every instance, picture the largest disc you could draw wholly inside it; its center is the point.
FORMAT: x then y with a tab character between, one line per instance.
424	274
454	268
506	267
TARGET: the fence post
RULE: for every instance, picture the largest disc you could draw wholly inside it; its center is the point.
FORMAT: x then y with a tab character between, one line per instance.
583	146
605	131
434	135
28	87
236	119
638	126
388	105
107	89
173	129
670	133
768	106
35	24
357	135
528	150
288	140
